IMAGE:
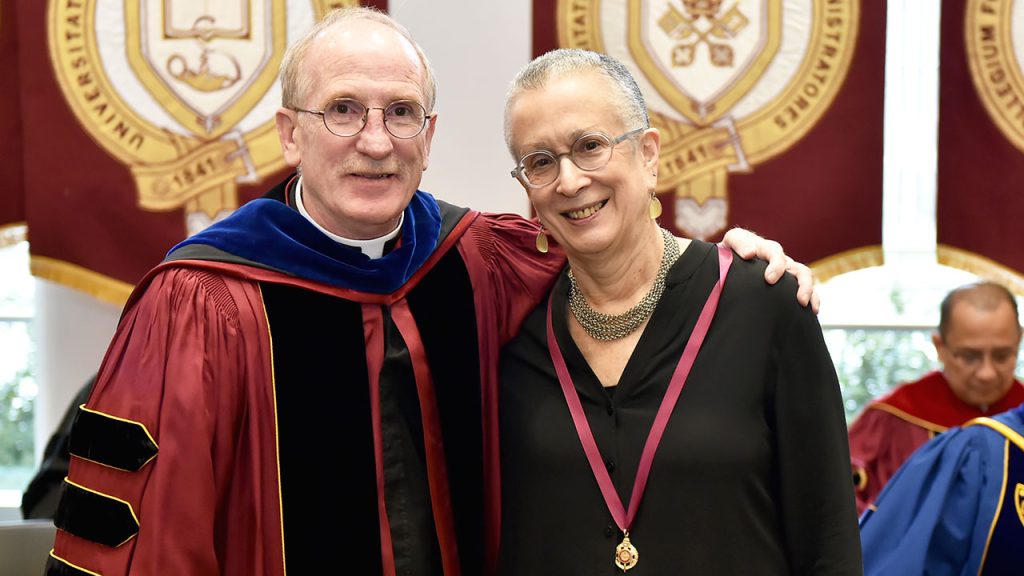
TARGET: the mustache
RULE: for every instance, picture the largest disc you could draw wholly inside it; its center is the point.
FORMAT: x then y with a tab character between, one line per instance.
371	167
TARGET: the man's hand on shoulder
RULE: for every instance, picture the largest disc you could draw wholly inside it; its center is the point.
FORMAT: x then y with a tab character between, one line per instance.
749	245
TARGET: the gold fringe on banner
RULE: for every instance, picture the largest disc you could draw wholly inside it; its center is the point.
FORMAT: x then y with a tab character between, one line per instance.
847	261
82	279
981	266
11	234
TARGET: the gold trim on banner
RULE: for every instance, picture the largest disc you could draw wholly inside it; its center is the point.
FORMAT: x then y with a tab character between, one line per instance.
579	25
995	70
813	88
11	234
73	276
700	151
847	261
981	266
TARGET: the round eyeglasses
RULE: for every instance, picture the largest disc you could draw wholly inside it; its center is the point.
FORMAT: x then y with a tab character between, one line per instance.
347	117
589	152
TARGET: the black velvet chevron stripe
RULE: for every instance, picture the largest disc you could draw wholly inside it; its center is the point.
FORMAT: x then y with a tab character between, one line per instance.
56	567
95	517
112	442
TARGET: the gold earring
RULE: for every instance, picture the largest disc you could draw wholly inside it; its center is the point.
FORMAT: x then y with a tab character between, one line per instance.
542	241
655	207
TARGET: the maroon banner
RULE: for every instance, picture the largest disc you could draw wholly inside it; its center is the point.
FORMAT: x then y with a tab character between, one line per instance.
12	200
148	123
981	141
778	133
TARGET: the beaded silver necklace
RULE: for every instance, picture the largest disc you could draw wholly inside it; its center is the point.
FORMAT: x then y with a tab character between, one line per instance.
614	326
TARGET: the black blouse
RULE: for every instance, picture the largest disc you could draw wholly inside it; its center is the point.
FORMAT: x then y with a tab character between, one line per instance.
752	475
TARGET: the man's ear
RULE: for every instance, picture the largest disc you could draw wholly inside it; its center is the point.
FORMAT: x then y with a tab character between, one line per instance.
286	120
940	346
428	139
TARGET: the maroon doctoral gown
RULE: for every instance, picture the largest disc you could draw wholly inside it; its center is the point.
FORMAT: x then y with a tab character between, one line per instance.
893	426
256	416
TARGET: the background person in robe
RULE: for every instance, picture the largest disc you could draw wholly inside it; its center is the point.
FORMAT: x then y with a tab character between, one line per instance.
43	492
347	316
977	342
751	473
955	506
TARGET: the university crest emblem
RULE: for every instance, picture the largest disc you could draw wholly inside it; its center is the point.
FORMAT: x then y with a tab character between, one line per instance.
180	91
729	84
995	62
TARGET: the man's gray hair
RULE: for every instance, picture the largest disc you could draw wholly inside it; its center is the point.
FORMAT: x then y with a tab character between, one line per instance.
294	86
569	61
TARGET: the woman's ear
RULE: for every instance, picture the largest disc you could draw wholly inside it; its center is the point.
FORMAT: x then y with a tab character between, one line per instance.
650	147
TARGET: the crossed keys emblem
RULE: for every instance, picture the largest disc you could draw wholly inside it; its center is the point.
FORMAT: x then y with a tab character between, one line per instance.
701	24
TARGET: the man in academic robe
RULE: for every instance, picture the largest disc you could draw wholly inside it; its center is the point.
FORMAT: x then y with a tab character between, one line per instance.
956	507
977	341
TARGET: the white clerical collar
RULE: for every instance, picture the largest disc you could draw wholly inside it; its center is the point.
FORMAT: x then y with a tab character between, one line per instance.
373	248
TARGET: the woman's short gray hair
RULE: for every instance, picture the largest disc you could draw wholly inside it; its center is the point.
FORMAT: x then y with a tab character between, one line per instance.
568	61
294	86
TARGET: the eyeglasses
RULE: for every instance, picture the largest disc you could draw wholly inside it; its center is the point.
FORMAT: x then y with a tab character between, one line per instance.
589	152
972	358
347	117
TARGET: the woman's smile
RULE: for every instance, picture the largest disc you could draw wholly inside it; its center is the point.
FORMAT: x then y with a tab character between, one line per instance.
585	212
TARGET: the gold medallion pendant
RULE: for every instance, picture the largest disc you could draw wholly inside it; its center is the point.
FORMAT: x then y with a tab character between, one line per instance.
626	554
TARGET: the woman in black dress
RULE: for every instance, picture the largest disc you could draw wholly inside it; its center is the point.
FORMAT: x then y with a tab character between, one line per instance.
666	411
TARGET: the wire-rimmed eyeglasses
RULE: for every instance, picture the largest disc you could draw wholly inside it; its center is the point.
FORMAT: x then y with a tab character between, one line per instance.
347	117
589	152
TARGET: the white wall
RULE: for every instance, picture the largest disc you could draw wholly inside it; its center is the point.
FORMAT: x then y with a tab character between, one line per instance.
475	48
72	333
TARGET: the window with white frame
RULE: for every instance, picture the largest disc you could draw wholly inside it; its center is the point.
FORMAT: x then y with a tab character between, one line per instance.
17	384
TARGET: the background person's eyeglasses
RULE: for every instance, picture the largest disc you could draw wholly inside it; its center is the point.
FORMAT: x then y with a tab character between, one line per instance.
973	358
589	152
347	117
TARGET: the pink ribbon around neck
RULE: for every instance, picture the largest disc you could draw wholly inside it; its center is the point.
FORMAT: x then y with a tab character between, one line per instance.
623	519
